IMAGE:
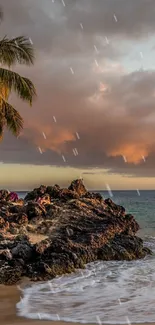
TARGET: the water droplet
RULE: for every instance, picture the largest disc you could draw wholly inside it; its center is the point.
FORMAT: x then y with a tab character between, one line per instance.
128	320
96	63
125	159
98	319
109	190
71	70
107	41
30	41
63	158
44	135
115	18
63	3
40	150
96	49
77	134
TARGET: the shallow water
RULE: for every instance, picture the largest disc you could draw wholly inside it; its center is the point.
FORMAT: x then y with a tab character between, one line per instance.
110	292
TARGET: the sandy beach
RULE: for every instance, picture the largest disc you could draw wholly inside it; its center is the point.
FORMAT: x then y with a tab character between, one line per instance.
9	296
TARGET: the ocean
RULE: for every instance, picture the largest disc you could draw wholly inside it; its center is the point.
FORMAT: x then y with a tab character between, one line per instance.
112	292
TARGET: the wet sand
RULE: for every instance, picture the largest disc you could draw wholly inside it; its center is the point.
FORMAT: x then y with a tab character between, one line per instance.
9	296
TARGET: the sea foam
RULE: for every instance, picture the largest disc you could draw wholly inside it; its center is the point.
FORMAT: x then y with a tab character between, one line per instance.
110	291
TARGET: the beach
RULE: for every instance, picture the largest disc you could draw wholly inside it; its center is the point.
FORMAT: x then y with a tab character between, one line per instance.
9	296
106	292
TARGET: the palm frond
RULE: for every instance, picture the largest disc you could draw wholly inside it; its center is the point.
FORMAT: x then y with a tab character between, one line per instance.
4	91
13	120
16	50
1	130
21	85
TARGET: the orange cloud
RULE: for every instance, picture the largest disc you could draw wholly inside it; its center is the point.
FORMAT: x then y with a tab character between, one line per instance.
132	152
51	136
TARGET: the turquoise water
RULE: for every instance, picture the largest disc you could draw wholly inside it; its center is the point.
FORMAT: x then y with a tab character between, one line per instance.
115	292
21	194
141	206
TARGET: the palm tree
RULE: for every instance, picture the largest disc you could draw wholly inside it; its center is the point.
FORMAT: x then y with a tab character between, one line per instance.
12	51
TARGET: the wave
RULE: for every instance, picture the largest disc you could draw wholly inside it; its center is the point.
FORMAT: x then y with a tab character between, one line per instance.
114	292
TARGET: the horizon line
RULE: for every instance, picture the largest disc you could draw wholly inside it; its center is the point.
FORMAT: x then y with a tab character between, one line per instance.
92	190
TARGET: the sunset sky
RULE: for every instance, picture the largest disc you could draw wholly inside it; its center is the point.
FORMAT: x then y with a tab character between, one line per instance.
95	73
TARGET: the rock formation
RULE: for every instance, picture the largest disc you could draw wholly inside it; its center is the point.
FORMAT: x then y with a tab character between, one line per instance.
79	227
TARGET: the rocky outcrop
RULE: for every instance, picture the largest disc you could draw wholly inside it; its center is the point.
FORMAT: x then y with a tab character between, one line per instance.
80	227
78	187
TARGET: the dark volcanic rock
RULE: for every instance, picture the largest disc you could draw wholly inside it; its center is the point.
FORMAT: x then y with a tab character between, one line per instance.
34	210
37	192
78	187
53	191
81	227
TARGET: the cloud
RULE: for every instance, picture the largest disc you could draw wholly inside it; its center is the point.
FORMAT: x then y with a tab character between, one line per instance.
57	28
115	128
135	18
111	122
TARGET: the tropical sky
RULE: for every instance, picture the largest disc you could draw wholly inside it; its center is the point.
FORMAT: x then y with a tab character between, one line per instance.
94	116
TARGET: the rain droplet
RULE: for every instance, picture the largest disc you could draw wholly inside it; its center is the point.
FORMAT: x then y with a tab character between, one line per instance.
107	41
63	3
96	63
109	190
125	159
115	18
77	134
98	319
63	158
75	152
40	150
128	320
44	135
71	70
96	49
30	41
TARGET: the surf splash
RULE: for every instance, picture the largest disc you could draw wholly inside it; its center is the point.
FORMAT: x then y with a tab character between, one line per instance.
111	292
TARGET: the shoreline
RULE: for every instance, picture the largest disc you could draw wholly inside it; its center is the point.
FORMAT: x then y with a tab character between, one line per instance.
10	296
71	229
